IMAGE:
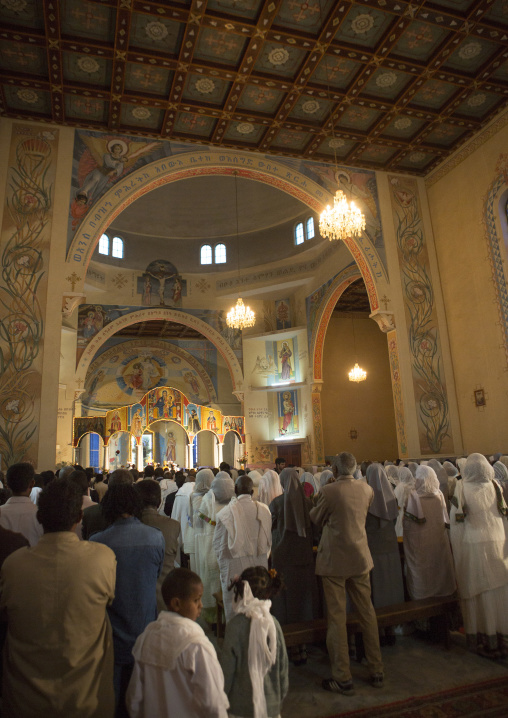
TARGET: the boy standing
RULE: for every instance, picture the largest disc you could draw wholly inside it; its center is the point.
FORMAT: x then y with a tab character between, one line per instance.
176	669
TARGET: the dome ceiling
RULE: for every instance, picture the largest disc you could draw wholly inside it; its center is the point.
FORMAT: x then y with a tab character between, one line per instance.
204	208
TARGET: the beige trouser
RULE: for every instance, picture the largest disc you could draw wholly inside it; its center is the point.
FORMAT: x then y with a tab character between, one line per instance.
358	588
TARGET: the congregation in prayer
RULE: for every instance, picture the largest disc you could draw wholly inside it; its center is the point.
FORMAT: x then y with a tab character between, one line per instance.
253	359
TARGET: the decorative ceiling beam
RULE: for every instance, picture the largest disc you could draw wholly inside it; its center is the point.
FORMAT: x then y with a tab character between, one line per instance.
54	59
122	34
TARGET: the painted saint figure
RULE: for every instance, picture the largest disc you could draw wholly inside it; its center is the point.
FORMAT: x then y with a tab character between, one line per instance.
288	409
116	423
211	424
285	355
137	424
170	448
147	292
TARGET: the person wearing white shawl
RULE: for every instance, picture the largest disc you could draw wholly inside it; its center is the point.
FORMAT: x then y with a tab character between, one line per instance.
180	510
176	670
480	551
402	491
308	478
254	658
269	487
501	474
242	538
386	575
412	466
392	474
168	486
256	478
452	473
427	552
218	497
442	477
461	464
204	479
326	478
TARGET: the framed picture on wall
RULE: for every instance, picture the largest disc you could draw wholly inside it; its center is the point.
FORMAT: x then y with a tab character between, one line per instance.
479	397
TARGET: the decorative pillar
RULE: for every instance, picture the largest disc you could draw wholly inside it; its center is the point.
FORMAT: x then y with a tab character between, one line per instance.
318	453
104	457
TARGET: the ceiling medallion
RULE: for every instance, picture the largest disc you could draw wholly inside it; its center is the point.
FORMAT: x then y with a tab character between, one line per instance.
476	100
470	50
28	96
310	107
156	30
141	113
362	24
336	142
387	79
88	65
416	157
343	221
402	123
245	128
205	85
240	316
278	56
357	374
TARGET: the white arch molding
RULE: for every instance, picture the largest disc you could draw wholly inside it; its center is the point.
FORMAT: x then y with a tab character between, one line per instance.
170	315
211	162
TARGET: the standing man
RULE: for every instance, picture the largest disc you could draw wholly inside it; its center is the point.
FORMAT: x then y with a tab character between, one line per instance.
59	651
344	562
19	514
242	538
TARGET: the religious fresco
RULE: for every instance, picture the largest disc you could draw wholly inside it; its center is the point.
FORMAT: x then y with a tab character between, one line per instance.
285	353
400	424
429	383
283	313
164	403
280	363
161	285
287	406
24	254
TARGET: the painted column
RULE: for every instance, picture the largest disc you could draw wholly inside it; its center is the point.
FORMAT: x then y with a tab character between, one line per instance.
105	457
318	454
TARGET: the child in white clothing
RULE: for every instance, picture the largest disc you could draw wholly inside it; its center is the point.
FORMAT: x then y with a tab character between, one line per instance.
176	670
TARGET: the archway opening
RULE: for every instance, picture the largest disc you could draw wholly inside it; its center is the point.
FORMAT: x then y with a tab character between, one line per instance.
170	443
231	451
206	449
90	451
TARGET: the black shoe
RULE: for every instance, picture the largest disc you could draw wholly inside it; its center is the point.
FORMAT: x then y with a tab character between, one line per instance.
377	680
346	688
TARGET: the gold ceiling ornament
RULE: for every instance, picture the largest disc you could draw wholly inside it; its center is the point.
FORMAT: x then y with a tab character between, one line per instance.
239	316
342	220
357	374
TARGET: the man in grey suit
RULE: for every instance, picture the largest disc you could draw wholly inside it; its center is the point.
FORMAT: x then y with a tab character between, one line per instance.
344	562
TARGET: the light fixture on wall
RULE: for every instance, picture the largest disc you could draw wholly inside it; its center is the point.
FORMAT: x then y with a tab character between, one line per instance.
239	316
356	374
344	219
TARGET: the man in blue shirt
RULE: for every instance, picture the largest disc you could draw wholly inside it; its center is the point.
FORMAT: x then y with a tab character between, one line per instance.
139	551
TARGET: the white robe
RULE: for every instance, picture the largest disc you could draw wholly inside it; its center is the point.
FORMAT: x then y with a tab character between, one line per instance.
243	538
181	510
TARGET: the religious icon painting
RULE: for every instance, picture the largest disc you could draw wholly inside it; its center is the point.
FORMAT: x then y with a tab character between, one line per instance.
283	313
234	423
213	420
285	360
193	418
287	404
137	420
116	420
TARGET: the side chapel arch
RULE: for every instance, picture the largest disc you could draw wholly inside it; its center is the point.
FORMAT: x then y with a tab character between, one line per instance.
195	164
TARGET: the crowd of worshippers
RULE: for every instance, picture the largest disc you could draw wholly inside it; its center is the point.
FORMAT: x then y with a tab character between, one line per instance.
111	586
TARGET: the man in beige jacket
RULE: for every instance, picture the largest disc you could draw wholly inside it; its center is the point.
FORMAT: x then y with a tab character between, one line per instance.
344	562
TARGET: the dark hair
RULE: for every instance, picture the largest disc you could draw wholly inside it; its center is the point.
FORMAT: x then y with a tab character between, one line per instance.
179	479
59	505
159	472
5	495
241	472
262	583
280	460
90	472
80	479
47	476
244	485
179	583
150	492
215	471
120	476
19	477
121	499
78	467
224	466
149	471
134	473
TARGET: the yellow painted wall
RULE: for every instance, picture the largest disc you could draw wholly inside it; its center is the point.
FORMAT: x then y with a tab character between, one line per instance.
456	207
367	406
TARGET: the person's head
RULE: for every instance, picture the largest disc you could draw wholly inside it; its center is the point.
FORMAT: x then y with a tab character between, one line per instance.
179	479
244	485
90	472
134	473
20	478
46	477
280	464
158	473
81	480
59	506
344	464
241	472
224	466
223	487
149	471
121	501
150	493
264	584
120	476
182	590
65	471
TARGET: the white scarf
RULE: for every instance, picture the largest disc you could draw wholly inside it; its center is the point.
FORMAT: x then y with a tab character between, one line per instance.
262	644
238	539
426	484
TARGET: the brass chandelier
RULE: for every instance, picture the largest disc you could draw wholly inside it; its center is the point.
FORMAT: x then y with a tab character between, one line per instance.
239	316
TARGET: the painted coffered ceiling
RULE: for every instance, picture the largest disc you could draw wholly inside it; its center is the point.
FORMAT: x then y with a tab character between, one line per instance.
379	83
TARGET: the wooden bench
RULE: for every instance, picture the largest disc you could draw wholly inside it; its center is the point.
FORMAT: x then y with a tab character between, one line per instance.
295	634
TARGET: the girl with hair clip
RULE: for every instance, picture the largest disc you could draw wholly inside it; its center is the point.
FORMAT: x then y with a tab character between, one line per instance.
254	658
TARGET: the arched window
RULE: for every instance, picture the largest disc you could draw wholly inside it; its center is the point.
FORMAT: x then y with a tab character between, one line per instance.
220	254
206	254
299	238
117	250
104	244
310	228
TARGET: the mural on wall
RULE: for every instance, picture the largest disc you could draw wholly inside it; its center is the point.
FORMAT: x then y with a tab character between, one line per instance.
280	363
400	424
24	243
287	405
285	363
423	333
164	403
161	285
283	313
99	161
128	369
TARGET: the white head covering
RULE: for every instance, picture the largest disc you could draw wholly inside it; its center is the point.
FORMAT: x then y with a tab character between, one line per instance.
405	476
299	471
325	476
500	471
477	470
384	503
442	475
392	474
461	464
426	484
262	652
450	469
255	476
204	479
308	478
412	466
296	513
269	487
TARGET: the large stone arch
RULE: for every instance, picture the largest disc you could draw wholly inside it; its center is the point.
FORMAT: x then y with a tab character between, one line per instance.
496	235
171	315
211	162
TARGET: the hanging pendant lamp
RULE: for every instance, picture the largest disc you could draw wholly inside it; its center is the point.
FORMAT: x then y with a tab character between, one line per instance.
239	316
